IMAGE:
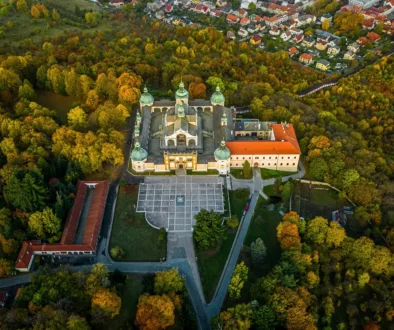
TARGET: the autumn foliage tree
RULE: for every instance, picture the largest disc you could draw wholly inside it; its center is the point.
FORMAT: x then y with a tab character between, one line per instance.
154	312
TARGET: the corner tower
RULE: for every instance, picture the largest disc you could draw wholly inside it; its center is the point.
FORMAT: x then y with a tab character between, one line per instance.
182	95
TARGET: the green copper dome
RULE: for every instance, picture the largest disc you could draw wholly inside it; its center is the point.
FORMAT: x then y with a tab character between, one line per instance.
222	153
181	111
146	98
181	93
138	153
217	97
138	116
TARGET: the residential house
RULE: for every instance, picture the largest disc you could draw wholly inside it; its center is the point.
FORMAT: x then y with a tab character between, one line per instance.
286	36
274	31
349	55
293	51
159	15
232	19
261	25
362	41
333	50
285	25
363	3
323	65
168	8
296	32
241	13
306	58
255	40
177	21
305	20
252	28
3	298
244	21
326	17
309	42
231	35
242	33
373	37
321	45
368	24
154	6
299	38
116	3
354	47
270	21
215	13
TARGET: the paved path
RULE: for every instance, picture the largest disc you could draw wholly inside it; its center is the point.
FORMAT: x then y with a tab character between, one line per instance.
216	304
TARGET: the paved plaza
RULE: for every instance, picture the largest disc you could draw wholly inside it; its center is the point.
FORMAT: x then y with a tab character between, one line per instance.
172	201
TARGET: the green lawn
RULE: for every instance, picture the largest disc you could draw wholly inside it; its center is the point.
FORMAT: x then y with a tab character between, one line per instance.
131	231
269	190
130	297
264	225
209	172
325	197
269	174
211	262
238	174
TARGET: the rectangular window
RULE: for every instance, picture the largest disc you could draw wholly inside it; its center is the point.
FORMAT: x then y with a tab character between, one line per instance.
288	157
256	157
293	164
281	164
287	164
282	157
295	157
270	157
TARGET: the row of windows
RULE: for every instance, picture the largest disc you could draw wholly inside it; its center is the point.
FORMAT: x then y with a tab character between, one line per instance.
268	165
295	157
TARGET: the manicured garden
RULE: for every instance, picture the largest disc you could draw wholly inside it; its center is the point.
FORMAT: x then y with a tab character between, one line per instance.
138	240
269	174
238	173
211	262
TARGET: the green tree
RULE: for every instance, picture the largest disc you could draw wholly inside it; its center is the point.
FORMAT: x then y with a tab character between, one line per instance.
55	15
77	118
264	318
5	267
209	229
247	170
168	281
318	168
237	318
232	222
117	252
46	225
259	252
21	5
240	276
26	191
76	322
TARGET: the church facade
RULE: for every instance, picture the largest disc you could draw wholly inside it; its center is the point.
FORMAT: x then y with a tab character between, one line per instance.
202	135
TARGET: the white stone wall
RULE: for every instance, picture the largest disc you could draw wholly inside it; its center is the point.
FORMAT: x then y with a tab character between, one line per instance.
275	162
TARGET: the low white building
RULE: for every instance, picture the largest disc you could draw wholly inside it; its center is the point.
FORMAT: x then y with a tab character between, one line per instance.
363	3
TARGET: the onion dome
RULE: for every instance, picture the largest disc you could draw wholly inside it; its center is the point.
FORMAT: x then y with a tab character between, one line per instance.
217	97
181	93
136	129
224	118
222	153
138	117
138	153
146	98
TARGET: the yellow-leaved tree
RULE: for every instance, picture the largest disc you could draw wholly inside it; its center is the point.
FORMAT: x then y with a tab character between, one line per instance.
108	301
154	312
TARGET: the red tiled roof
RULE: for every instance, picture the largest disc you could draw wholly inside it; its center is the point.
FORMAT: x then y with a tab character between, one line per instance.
373	36
256	37
292	50
231	17
244	20
285	143
306	56
91	230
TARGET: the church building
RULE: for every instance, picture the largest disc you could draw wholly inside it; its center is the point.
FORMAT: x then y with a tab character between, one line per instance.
202	135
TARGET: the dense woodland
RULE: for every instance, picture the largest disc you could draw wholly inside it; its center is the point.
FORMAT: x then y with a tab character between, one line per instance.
325	278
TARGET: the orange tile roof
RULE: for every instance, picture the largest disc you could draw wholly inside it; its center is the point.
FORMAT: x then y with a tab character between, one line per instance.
91	230
285	143
231	17
244	20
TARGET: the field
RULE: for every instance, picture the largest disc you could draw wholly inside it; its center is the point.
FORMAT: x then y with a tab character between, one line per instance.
132	233
60	103
211	262
310	201
238	174
269	174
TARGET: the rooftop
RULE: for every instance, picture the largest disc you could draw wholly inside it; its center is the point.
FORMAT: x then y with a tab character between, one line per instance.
80	233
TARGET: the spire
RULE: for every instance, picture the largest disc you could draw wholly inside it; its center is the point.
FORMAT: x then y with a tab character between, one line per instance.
222	144
145	90
218	89
137	145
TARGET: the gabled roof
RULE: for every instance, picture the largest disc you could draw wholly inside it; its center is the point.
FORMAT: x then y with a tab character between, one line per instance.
231	17
306	56
285	143
69	242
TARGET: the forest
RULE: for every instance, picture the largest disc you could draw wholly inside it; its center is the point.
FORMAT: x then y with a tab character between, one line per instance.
345	134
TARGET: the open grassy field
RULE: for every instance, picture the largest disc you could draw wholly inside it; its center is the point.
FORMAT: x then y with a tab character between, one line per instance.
131	232
130	297
238	174
211	262
268	174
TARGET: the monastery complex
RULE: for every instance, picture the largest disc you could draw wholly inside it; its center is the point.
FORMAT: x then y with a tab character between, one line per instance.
202	135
